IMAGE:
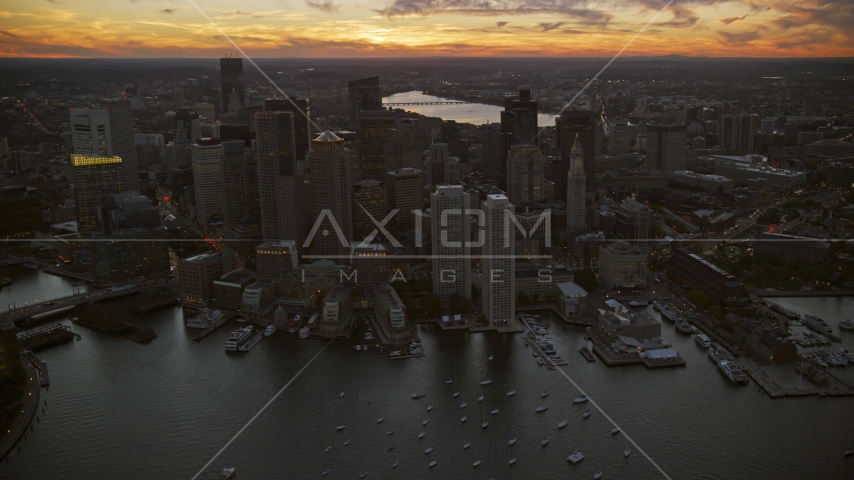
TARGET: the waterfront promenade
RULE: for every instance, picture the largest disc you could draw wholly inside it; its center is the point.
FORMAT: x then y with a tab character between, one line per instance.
28	405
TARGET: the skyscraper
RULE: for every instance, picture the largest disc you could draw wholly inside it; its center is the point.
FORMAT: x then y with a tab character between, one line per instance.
499	274
575	190
490	151
436	163
405	144
518	125
96	179
368	198
619	137
275	153
233	171
331	191
525	174
207	178
291	196
107	131
231	75
736	132
404	191
302	121
364	94
666	148
372	134
450	241
187	128
576	126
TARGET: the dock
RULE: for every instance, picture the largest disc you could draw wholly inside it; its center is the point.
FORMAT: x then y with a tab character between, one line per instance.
586	354
612	358
780	381
249	345
228	316
43	337
102	318
44	378
154	300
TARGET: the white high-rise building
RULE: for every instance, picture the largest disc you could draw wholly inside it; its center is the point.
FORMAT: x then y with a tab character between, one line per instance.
498	284
107	131
450	234
576	183
206	155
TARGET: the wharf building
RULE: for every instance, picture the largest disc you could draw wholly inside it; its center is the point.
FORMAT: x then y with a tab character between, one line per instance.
196	275
622	265
369	267
792	247
762	340
336	316
227	290
571	301
686	268
391	314
258	300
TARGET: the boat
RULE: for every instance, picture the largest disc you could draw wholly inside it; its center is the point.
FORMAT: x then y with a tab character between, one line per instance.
480	399
363	475
456	394
784	311
418	395
817	324
627	452
490	357
424	423
238	338
511	442
597	475
734	372
656	305
575	457
449	382
541	408
311	321
380	420
328	449
466	446
544	394
205	319
227	473
390	448
486	382
476	464
683	326
428	451
544	442
580	399
340	427
464	405
390	432
638	303
347	442
586	413
847	324
511	393
702	340
540	361
304	332
615	430
669	313
561	424
358	348
429	408
484	424
463	419
269	330
341	395
294	323
512	461
421	435
494	411
432	464
849	452
535	355
395	464
325	473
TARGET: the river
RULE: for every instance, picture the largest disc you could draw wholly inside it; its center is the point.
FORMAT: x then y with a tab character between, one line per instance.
476	113
117	409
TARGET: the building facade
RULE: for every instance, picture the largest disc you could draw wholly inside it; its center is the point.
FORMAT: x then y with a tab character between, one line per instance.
450	241
498	288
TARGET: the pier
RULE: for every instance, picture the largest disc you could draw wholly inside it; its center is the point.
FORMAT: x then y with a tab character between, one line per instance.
46	336
780	381
228	316
154	300
103	319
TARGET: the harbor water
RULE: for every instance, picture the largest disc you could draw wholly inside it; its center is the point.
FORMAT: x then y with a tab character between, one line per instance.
476	113
117	409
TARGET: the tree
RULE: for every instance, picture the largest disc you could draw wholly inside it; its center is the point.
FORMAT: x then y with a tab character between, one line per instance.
431	304
459	304
586	279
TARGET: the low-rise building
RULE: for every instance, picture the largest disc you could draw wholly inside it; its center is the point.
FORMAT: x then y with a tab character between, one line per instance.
637	325
257	300
196	275
791	247
571	300
722	287
743	169
622	265
764	342
391	314
227	291
709	183
337	310
623	183
536	279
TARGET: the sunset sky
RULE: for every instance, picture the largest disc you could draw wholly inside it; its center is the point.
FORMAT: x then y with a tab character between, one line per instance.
376	28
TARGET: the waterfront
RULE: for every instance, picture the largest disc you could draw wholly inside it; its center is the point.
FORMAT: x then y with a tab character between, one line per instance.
117	409
476	113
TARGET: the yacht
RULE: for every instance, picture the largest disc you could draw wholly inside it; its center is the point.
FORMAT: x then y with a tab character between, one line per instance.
669	313
544	394
390	432
294	323
456	394
424	423
597	475
341	395
484	424
328	449
466	446
544	442
511	393
615	430
418	395
494	411
480	399
363	475
575	457
734	372
205	319
269	330
512	461
325	473
238	338
304	332
561	424
347	442
464	405
428	451
432	464
683	326
655	305
817	324
627	452
511	442
486	382
586	413
476	464
421	435
227	473
463	419
847	324
395	464
540	361
380	420
430	408
541	408
340	427
849	452
580	399
449	382
702	340
638	303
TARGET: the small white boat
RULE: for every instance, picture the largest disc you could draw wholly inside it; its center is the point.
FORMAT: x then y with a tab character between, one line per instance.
486	382
363	475
418	395
580	399
544	394
615	430
359	348
430	408
597	475
463	419
395	464
511	442
341	395
476	464
432	464
561	424
484	424
511	393
575	457
456	394
227	473
464	405
449	382
466	446
328	449
702	340
512	461
269	330
480	398
325	473
627	452
347	442
380	420
490	357
494	411
424	423
540	361
421	435
428	451
544	442
586	413
390	448
390	432
542	408
340	427
849	452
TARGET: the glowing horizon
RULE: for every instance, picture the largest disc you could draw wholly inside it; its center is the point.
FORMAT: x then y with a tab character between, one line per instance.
411	28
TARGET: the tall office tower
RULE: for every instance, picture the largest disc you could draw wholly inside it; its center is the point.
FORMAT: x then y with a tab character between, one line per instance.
180	99
274	145
436	163
666	148
619	137
576	126
525	174
231	75
96	179
767	127
107	131
364	94
450	240
207	178
498	284
372	134
449	132
405	144
368	198
186	127
575	190
633	221
518	125
291	195
451	170
404	191
331	189
302	121
490	151
233	171
747	128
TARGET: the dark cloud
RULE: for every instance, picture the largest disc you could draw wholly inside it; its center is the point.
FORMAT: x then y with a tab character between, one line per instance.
550	26
168	11
327	6
8	34
501	24
486	8
738	38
